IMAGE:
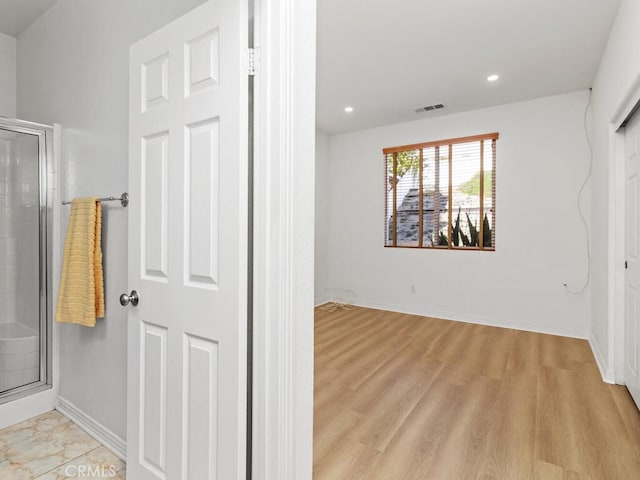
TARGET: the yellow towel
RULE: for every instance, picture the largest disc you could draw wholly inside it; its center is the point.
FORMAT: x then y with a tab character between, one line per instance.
81	295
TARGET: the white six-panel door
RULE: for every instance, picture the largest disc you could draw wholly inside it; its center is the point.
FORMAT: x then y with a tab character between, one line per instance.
188	248
632	277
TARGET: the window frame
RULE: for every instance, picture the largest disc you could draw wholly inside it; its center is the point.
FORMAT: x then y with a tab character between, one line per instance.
447	143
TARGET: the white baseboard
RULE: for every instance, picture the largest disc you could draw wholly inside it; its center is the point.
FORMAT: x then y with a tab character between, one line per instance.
98	431
478	319
606	373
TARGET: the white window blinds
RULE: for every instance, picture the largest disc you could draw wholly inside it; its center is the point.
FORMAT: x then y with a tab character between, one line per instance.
442	194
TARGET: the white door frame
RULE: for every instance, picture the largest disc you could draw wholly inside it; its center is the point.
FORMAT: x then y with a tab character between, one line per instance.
617	211
284	177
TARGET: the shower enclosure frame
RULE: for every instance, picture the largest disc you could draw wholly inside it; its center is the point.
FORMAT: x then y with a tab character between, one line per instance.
45	135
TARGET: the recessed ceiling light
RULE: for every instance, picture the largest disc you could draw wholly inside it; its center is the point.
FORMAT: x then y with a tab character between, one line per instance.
348	109
493	78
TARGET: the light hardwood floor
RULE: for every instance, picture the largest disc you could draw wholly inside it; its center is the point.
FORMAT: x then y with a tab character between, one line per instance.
406	397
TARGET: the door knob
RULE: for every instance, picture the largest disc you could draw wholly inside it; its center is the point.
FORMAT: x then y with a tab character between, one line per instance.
132	299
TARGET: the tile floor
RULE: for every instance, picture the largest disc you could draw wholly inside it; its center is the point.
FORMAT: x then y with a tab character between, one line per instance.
51	447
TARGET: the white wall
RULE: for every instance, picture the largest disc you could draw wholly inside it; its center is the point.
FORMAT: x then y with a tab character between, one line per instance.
322	224
7	76
73	69
616	88
542	159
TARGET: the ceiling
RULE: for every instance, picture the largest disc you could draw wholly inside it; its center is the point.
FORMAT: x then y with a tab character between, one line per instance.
17	15
386	58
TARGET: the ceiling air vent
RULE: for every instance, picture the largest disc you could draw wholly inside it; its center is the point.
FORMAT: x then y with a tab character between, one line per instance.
428	108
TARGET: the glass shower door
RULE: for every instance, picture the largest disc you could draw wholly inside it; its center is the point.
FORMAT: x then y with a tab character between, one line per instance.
23	254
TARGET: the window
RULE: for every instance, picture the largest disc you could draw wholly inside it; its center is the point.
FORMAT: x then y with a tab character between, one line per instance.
442	194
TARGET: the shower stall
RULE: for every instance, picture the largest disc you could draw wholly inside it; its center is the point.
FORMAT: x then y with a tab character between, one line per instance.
25	276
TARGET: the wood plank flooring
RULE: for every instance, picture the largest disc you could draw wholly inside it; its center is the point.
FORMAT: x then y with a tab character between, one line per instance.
401	397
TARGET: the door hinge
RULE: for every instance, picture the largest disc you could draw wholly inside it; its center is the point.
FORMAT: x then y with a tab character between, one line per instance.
626	266
252	61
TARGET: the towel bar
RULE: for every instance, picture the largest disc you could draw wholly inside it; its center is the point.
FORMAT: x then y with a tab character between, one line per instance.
124	199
